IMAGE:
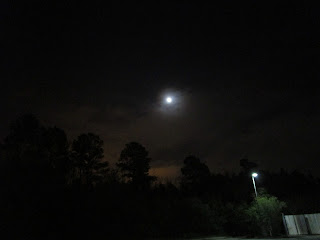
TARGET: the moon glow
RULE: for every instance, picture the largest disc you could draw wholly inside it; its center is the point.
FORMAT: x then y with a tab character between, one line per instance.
168	99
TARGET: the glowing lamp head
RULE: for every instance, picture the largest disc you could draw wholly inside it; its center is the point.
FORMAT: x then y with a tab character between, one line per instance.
254	175
169	100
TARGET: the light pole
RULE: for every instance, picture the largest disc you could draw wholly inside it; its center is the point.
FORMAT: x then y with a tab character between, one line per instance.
254	175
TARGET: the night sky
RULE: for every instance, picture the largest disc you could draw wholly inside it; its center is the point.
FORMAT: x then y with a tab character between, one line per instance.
243	76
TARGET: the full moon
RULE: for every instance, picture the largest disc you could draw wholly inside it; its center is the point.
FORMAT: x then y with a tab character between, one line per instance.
168	99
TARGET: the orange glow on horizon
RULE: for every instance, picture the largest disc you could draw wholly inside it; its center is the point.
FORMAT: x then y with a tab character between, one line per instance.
170	172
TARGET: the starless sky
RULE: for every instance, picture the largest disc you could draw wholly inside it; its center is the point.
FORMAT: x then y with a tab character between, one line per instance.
243	77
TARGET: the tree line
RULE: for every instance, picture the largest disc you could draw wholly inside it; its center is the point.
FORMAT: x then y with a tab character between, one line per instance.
52	188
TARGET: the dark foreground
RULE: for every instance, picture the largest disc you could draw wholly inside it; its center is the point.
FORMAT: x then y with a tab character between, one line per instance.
317	237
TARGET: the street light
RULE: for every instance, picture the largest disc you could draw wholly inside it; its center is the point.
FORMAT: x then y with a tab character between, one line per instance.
254	175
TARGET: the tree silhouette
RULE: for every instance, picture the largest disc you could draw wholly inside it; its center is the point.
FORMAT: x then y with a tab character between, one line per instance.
134	164
195	176
56	149
31	175
25	155
35	162
34	154
87	155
